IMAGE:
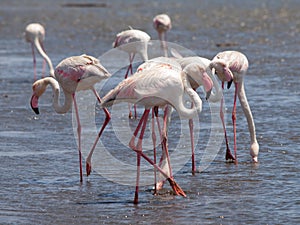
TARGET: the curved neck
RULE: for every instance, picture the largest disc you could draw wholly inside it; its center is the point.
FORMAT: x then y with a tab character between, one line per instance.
56	91
197	103
44	55
246	109
218	93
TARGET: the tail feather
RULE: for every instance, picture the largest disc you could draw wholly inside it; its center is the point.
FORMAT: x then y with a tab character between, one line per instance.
123	92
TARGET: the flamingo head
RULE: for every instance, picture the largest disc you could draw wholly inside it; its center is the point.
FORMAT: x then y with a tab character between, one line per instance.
162	23
38	88
198	76
254	149
222	70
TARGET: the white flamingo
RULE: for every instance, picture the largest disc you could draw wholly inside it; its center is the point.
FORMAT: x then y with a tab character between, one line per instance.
133	42
35	34
73	74
162	24
238	64
155	87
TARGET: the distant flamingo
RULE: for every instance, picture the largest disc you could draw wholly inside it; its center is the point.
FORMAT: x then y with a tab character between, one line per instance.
132	41
238	64
162	23
73	74
35	34
155	87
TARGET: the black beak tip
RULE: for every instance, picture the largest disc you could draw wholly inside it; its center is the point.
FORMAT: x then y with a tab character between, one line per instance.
36	110
229	84
208	94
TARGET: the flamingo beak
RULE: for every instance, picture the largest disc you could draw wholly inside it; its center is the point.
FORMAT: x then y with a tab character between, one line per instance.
208	94
34	104
229	84
229	76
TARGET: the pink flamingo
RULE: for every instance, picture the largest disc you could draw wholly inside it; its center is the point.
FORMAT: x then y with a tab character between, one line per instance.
132	41
162	24
35	34
238	64
199	67
155	87
73	74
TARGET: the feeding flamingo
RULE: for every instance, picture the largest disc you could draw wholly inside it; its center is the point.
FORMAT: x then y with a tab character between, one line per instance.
73	74
155	87
132	41
162	24
35	34
238	64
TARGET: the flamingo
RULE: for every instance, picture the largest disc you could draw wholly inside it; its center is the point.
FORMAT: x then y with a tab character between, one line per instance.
199	67
132	41
199	73
162	24
35	34
73	74
155	87
238	64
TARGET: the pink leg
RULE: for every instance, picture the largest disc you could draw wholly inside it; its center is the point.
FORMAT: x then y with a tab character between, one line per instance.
228	153
165	140
79	136
107	119
131	57
176	188
154	114
138	149
191	125
34	61
134	147
234	122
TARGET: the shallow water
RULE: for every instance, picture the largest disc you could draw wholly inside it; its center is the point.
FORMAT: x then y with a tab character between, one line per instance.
39	182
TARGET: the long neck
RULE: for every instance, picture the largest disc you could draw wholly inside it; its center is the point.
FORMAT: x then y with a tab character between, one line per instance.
44	55
247	110
56	91
197	103
217	95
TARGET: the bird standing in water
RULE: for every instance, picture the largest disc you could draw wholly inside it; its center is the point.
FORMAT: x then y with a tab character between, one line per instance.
154	87
73	74
35	34
238	65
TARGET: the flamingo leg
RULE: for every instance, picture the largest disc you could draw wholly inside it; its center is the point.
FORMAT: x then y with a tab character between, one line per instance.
191	125
176	188
106	121
131	57
138	150
79	136
34	61
234	121
154	114
165	140
228	155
